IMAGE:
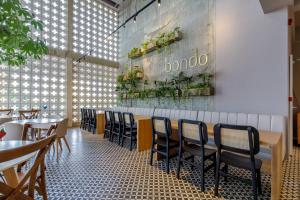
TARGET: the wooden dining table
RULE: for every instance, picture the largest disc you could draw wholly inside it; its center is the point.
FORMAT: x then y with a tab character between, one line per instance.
8	168
43	122
38	121
271	141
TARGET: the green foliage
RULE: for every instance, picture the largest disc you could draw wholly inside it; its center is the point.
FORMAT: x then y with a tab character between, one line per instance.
135	52
16	25
179	86
162	41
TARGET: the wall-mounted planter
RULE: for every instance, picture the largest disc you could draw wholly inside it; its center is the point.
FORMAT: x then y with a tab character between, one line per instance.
165	39
209	91
151	47
135	53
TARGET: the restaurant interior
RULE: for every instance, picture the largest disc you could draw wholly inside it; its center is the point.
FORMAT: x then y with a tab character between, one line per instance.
149	99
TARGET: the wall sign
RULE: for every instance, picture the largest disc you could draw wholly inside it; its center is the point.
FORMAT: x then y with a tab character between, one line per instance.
197	60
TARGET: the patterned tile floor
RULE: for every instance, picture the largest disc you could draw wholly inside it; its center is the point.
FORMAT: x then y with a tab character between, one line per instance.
98	169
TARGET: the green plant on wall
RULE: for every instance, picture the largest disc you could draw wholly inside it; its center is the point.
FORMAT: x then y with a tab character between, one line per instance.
206	79
135	52
162	41
16	25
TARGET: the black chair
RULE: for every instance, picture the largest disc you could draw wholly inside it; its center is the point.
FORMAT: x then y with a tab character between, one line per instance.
192	138
237	146
82	118
161	140
93	120
130	130
108	123
117	126
86	119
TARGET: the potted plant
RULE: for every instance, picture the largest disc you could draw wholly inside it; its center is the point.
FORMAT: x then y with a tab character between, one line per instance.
135	53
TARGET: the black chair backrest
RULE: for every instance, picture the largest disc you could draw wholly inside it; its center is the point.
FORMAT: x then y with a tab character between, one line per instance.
94	114
107	116
82	113
161	126
238	139
192	131
128	119
117	117
86	117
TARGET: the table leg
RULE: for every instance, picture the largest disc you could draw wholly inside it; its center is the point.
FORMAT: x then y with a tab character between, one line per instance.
144	134
11	177
276	170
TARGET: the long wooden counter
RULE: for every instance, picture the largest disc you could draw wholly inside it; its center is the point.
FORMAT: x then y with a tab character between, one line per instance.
268	140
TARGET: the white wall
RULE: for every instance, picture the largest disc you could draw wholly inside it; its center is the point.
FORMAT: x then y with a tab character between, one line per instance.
251	58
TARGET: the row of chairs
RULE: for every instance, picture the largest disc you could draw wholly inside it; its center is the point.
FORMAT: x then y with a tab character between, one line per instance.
193	138
234	145
121	125
88	119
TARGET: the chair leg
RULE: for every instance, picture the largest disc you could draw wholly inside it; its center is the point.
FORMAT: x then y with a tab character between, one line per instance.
43	182
193	161
131	138
179	163
226	172
254	185
259	182
122	140
202	176
168	160
60	144
151	153
67	144
57	148
217	177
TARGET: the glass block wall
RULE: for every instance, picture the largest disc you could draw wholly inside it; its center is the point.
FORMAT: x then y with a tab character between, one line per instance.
93	87
43	83
53	13
92	24
40	84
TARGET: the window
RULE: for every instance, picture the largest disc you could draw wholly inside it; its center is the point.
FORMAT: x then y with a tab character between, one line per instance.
93	87
92	24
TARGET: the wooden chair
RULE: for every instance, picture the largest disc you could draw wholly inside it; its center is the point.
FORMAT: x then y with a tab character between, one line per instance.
32	114
192	140
130	130
61	132
34	178
161	139
7	112
237	146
